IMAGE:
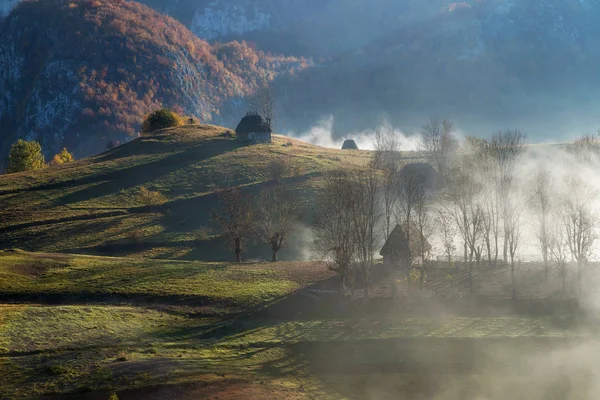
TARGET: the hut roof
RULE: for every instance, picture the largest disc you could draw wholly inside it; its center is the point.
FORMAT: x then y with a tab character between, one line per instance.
396	245
253	123
349	144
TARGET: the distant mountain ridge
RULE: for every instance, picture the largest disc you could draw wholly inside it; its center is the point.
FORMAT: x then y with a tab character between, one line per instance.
487	64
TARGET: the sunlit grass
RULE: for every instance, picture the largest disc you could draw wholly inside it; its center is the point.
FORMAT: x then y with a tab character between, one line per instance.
23	274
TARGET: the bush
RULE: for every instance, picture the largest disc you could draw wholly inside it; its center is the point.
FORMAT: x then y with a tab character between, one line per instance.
160	119
63	157
150	197
25	156
277	169
113	396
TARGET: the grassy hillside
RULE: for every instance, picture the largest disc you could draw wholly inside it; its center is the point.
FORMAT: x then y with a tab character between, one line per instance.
158	329
94	206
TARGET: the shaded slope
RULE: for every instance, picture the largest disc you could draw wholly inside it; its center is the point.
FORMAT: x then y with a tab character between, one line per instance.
93	205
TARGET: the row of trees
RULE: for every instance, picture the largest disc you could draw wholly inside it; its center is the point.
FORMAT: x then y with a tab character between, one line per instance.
28	156
484	201
270	216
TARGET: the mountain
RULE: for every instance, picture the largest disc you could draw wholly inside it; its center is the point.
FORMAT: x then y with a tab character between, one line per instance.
487	64
82	73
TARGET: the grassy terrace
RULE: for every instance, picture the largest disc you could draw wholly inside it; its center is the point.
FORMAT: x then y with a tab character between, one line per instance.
76	278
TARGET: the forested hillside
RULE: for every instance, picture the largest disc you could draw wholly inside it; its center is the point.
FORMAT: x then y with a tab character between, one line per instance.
84	73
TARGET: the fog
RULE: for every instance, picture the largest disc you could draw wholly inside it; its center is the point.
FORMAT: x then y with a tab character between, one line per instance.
322	134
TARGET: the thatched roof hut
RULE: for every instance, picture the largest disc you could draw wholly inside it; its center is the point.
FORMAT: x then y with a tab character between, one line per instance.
396	245
349	144
255	128
397	250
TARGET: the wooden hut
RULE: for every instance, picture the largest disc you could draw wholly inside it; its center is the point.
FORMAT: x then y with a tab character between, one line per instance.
254	128
349	144
395	251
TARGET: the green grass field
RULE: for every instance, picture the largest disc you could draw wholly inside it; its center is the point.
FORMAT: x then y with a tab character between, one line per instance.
184	330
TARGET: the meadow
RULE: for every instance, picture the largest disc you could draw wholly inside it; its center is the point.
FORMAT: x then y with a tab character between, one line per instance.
114	281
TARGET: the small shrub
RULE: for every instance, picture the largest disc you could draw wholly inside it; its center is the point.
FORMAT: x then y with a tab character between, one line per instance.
160	119
202	234
63	157
150	197
278	169
25	156
136	236
121	357
113	396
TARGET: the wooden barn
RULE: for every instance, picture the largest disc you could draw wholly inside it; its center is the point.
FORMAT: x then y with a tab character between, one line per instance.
254	128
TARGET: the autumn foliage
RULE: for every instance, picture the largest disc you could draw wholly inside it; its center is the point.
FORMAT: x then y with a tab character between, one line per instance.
63	157
115	61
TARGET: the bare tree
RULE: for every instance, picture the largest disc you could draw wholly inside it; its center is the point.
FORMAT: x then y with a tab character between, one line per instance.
333	233
507	147
235	218
262	102
439	142
512	225
423	224
558	251
484	171
541	203
587	147
365	217
410	193
447	231
276	217
462	203
386	157
579	221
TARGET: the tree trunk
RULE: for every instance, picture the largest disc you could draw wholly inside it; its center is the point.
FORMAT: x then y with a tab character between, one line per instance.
496	250
579	276
422	277
471	278
489	251
505	249
366	267
238	250
275	251
513	280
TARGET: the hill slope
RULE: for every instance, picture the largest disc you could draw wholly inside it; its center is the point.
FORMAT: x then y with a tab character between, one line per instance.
94	205
82	73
